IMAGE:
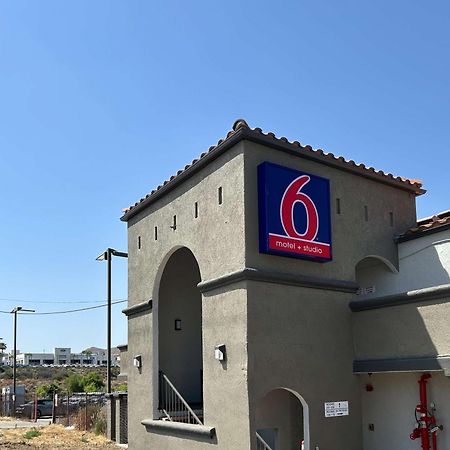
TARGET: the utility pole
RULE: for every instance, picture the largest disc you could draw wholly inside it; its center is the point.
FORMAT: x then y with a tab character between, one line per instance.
2	349
109	320
107	256
15	311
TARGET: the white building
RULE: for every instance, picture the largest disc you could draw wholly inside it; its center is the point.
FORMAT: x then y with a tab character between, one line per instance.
64	355
406	312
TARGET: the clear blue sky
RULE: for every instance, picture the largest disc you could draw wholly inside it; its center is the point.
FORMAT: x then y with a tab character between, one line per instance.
101	101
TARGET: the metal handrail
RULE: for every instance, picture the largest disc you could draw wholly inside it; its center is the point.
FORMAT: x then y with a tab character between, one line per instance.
261	444
173	405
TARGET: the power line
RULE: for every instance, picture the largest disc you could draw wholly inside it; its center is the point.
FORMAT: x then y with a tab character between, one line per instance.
67	311
18	300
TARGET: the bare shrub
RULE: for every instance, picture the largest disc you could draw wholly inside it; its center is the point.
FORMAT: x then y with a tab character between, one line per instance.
91	419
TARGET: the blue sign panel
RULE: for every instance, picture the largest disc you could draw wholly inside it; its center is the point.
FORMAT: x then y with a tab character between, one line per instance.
294	213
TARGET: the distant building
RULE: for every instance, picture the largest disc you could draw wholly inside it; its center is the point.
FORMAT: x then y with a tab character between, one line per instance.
63	355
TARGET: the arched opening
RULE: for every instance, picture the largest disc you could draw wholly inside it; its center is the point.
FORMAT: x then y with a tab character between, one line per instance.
373	275
282	421
179	313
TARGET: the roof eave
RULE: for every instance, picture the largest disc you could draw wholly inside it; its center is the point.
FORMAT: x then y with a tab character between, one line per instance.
339	163
421	233
271	141
186	174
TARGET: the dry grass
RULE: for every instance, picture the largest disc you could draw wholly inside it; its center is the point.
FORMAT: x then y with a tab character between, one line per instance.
53	437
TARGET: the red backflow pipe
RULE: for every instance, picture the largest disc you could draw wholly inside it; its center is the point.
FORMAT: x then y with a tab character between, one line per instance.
426	422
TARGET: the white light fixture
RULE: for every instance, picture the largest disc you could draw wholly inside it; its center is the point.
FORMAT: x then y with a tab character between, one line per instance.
220	352
137	361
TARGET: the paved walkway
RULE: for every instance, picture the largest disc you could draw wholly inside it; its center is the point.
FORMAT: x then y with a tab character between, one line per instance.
24	424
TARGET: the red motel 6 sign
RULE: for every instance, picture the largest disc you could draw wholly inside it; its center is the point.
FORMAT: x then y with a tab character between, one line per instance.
294	213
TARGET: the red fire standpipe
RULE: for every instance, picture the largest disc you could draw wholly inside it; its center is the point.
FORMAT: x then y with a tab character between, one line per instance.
426	422
422	409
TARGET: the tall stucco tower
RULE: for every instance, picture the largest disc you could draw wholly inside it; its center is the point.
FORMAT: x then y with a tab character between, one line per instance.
241	270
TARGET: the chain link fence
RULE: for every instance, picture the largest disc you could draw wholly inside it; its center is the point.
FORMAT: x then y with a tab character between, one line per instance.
85	411
97	412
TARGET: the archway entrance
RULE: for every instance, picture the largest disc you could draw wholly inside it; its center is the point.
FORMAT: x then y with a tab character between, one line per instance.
180	334
282	421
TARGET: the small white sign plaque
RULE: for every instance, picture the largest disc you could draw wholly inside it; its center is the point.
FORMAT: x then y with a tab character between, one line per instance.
336	409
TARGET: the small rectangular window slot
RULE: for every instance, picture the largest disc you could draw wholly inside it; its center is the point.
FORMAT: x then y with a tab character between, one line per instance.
156	233
195	209
174	224
366	213
391	218
220	195
139	243
338	206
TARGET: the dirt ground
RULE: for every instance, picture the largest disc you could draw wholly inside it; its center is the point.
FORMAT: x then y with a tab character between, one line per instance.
53	437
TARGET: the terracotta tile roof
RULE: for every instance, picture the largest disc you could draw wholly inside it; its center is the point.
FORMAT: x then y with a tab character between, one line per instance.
427	224
241	131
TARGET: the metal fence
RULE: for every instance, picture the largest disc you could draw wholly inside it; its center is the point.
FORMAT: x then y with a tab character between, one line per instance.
86	411
99	412
117	417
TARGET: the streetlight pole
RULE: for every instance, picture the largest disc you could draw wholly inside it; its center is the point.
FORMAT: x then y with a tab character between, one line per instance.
2	348
107	256
15	311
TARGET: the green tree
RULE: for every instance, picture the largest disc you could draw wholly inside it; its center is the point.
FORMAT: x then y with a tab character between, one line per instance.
93	382
46	390
75	383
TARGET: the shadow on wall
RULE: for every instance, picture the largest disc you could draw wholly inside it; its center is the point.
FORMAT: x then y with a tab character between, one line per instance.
180	325
425	263
409	330
373	274
280	420
421	265
402	341
413	330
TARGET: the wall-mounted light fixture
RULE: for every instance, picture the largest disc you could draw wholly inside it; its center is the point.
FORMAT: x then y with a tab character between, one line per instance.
177	324
220	352
137	361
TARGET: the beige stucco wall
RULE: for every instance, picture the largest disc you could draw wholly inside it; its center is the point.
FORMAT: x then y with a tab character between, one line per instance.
300	339
140	389
216	239
353	237
208	236
281	412
225	384
276	335
124	362
414	330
